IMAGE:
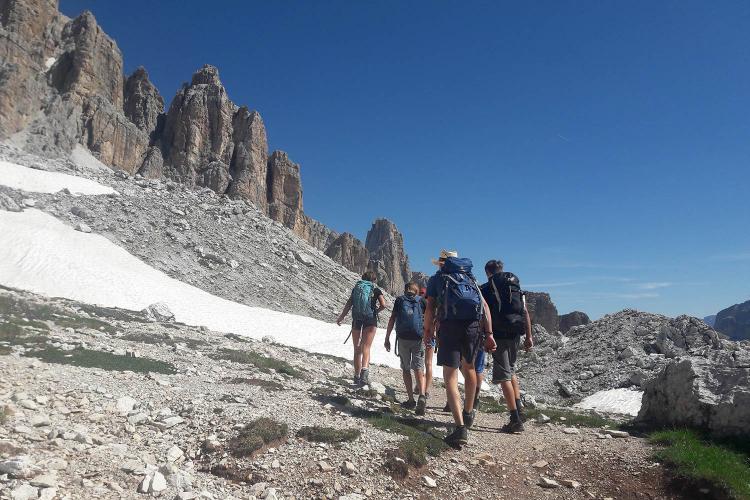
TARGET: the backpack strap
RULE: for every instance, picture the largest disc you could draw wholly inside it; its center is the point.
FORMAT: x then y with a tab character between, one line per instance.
497	294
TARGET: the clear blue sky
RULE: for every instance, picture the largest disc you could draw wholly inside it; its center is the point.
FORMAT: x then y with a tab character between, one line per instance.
600	148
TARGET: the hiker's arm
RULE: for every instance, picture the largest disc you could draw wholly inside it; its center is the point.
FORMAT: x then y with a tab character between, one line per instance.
529	342
489	339
381	302
486	318
345	311
391	322
429	321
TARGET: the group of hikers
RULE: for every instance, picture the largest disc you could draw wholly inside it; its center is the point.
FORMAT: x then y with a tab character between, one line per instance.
457	320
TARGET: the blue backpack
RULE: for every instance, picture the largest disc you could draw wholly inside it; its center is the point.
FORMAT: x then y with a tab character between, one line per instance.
362	300
409	315
460	298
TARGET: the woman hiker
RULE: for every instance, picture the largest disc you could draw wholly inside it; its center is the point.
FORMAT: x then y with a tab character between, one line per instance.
365	302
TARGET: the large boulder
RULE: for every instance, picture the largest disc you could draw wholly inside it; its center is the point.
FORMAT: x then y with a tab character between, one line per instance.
419	278
285	192
387	257
349	252
542	310
571	319
198	129
710	392
734	321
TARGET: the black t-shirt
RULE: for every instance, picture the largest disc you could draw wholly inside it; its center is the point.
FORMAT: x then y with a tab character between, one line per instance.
374	301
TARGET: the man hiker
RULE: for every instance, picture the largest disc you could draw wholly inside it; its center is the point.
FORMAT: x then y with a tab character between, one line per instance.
365	302
453	294
408	317
510	320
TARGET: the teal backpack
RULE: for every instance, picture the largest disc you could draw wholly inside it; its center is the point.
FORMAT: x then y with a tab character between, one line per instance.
362	300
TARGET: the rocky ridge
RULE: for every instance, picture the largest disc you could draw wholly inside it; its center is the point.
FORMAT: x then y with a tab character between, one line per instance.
73	72
734	321
571	319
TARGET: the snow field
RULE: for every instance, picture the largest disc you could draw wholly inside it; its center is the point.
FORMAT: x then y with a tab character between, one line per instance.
41	181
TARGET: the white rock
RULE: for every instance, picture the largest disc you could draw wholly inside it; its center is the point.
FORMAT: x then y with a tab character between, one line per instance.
158	482
569	483
548	483
429	482
159	311
540	464
19	467
543	419
44	481
174	454
125	404
377	387
571	430
614	433
348	468
28	404
82	228
47	493
24	492
40	420
29	202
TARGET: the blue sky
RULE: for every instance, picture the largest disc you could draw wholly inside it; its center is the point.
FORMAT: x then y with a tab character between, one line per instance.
600	148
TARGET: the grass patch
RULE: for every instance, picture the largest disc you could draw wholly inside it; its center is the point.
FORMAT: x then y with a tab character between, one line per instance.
145	338
704	462
4	414
11	306
319	434
87	358
268	385
257	434
572	418
257	360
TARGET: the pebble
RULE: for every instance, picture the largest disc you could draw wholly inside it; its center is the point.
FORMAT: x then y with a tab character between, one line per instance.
545	482
429	482
348	468
569	483
617	434
571	430
540	464
24	492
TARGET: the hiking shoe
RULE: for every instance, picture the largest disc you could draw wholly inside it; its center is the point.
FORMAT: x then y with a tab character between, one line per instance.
365	376
409	405
357	381
512	427
447	408
522	415
421	404
469	418
457	438
477	401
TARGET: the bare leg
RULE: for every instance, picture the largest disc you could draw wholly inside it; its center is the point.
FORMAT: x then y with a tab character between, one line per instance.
357	352
407	384
470	385
480	380
419	375
516	387
428	369
509	394
368	335
450	376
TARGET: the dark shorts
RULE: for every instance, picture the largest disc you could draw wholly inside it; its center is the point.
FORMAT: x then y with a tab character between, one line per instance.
359	324
504	359
458	340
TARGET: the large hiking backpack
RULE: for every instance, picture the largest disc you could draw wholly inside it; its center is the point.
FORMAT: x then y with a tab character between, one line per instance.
362	300
460	298
509	317
409	315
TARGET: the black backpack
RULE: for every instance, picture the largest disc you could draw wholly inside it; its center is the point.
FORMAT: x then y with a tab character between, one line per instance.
510	316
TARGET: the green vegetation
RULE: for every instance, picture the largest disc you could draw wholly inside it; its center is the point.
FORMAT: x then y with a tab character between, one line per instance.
257	434
15	309
268	385
319	434
723	465
257	360
98	359
146	338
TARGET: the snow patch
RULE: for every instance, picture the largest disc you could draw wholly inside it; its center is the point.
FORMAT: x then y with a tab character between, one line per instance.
622	401
86	161
40	181
41	254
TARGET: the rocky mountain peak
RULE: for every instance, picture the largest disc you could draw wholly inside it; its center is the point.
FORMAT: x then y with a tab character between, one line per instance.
571	319
349	252
207	75
734	321
143	103
385	243
285	191
542	310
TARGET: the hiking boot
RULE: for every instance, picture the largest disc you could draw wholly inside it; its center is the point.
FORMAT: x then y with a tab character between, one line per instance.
357	380
469	418
409	405
457	438
447	408
365	376
477	401
512	427
522	415
421	404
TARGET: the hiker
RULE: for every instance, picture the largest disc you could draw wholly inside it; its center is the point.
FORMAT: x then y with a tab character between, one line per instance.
408	316
365	302
454	296
510	320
